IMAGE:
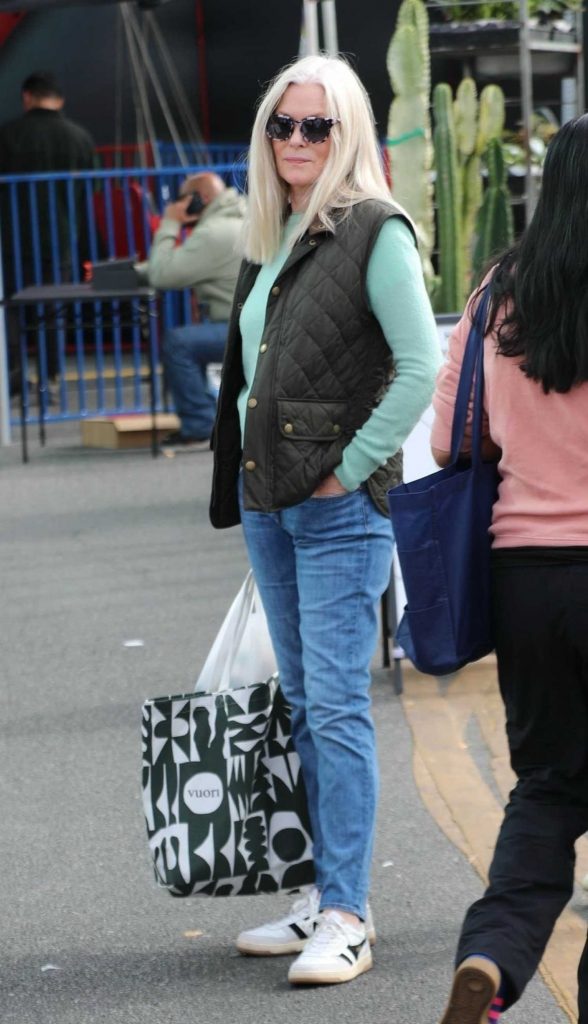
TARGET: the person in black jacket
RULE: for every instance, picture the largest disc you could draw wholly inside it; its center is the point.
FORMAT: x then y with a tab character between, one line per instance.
41	140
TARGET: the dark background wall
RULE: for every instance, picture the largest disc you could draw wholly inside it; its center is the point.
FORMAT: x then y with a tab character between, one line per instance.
246	42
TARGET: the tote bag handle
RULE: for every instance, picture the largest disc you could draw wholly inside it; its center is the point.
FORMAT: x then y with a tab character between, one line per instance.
242	651
472	367
216	672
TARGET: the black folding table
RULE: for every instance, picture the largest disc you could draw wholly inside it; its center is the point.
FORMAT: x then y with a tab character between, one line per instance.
54	305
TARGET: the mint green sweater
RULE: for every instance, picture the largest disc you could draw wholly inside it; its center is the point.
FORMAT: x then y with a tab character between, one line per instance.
399	301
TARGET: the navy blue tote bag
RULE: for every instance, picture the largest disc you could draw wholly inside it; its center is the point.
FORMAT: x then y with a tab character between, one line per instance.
441	526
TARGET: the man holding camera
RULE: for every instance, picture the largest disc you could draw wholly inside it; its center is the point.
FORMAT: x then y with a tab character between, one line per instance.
208	260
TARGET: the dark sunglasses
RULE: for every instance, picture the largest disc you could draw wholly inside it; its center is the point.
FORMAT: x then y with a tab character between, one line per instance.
280	127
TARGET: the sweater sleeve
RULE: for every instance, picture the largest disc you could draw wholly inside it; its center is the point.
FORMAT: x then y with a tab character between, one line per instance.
447	385
446	388
398	298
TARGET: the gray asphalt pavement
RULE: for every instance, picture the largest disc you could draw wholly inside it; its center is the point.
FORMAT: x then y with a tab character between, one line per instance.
96	549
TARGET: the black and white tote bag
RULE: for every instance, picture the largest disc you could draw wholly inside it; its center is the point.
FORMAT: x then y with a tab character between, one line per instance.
223	794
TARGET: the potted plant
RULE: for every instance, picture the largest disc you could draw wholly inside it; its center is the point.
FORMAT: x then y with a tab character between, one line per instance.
472	29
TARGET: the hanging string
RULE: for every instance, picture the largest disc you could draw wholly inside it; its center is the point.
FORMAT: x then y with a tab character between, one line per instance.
140	96
118	92
190	123
143	52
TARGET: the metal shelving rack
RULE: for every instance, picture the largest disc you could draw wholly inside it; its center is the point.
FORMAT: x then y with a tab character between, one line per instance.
467	41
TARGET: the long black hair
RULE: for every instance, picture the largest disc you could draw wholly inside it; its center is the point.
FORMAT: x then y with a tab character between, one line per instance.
544	276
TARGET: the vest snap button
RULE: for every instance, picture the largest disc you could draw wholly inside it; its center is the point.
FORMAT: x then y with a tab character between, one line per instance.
250	465
239	305
288	428
276	289
252	402
263	348
312	241
336	428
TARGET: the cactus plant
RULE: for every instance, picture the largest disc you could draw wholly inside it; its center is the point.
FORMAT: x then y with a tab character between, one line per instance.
470	128
409	128
466	128
466	117
449	202
491	117
462	132
476	123
495	222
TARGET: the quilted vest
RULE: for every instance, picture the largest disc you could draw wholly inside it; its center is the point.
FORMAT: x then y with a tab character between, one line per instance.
323	365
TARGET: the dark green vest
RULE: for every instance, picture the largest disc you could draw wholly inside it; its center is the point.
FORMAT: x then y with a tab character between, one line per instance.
323	366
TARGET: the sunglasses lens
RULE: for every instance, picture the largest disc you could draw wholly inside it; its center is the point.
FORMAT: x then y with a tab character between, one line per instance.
316	129
279	128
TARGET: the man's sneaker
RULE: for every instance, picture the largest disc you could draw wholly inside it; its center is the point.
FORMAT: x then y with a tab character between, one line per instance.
338	951
290	934
475	985
178	442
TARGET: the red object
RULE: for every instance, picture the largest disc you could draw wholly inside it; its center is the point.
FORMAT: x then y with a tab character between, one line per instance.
387	165
127	154
8	23
140	212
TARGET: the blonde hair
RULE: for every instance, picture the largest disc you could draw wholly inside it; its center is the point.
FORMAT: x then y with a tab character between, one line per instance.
352	172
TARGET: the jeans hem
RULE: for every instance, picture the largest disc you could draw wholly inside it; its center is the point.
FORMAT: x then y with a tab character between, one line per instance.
347	908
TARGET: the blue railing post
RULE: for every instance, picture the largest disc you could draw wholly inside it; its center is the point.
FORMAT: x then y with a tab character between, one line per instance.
5	432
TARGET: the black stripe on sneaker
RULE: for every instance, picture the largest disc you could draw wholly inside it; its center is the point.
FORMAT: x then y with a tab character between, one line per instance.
299	932
354	951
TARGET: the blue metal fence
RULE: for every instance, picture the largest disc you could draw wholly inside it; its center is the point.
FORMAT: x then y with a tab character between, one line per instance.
50	226
203	153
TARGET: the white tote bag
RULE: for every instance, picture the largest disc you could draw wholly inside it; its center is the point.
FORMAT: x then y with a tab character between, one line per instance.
242	652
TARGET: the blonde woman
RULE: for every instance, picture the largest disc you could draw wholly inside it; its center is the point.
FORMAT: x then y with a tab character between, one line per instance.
331	359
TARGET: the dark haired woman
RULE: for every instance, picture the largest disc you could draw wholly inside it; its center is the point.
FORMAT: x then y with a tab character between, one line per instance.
536	401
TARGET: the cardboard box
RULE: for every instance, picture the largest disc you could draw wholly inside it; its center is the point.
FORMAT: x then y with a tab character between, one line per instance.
126	431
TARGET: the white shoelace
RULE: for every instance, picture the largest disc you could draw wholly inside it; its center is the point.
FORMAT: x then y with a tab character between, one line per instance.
307	904
329	929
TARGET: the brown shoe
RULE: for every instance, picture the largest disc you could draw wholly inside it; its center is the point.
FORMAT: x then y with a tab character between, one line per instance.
475	985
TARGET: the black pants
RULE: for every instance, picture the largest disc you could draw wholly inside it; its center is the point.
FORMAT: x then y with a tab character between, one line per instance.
541	619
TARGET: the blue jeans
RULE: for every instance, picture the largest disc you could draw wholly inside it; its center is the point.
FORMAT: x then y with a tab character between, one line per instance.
321	567
185	354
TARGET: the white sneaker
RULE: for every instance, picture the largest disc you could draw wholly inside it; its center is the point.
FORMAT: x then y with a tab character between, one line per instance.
290	934
337	951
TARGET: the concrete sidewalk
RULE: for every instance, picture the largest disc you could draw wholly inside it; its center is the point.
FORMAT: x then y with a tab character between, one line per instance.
101	548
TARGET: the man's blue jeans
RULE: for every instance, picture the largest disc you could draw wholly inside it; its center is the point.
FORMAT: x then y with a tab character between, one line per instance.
321	568
185	354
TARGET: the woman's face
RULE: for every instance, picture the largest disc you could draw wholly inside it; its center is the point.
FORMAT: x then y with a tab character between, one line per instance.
300	163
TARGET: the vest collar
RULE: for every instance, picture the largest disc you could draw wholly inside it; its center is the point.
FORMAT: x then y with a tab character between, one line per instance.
305	245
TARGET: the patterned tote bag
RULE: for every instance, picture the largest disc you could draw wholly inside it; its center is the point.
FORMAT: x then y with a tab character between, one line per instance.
223	794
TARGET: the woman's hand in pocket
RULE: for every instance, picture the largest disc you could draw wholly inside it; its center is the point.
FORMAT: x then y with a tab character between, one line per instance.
329	488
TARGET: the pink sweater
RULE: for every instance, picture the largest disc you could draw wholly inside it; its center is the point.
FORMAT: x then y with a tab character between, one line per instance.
543	494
